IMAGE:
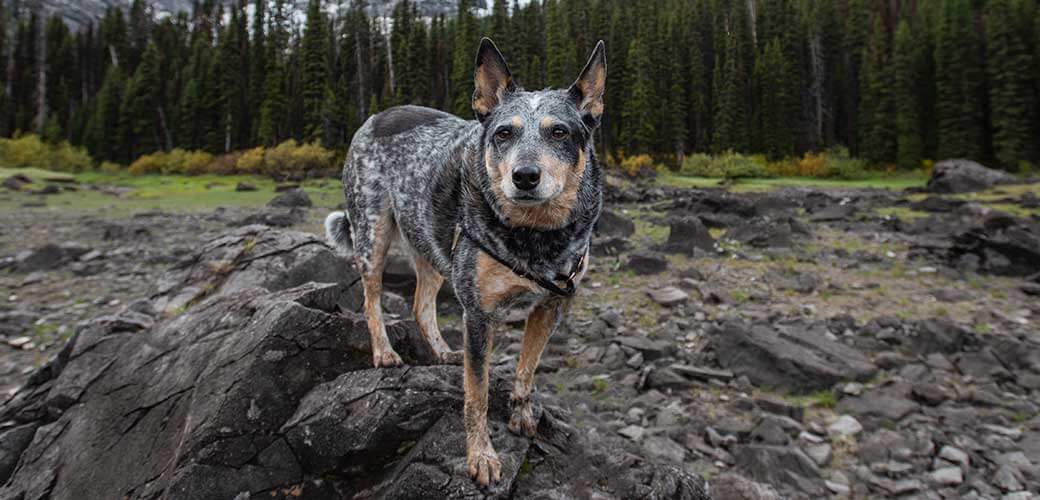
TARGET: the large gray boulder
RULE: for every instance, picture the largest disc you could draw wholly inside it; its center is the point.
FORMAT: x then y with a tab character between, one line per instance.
964	176
262	388
791	357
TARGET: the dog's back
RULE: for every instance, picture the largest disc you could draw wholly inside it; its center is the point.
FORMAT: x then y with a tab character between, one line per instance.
404	163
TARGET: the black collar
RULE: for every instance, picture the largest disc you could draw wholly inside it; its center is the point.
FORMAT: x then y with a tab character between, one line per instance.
520	270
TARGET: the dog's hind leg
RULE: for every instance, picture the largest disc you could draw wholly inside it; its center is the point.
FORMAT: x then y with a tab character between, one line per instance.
427	283
382	233
539	327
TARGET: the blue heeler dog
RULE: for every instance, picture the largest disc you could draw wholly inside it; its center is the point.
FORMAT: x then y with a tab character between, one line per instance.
504	206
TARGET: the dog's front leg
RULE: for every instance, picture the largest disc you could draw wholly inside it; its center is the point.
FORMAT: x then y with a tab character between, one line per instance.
539	327
481	458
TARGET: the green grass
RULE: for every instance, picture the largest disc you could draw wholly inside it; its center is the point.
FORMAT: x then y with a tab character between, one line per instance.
878	181
164	192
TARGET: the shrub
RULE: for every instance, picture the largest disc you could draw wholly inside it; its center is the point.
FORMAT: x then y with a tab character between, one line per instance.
108	167
634	166
30	151
195	162
224	164
311	157
729	165
251	161
147	164
697	165
813	165
841	165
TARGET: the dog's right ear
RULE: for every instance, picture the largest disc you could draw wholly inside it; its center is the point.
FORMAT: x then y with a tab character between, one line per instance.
491	80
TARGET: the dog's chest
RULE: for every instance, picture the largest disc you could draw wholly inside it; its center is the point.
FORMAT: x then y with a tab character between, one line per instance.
502	292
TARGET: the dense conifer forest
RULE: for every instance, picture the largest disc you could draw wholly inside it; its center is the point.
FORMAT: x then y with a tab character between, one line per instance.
895	81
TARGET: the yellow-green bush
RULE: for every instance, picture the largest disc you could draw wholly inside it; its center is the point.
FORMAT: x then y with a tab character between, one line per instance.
177	161
729	165
108	167
30	151
833	163
291	157
634	165
251	161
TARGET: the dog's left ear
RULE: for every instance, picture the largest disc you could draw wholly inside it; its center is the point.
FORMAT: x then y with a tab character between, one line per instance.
491	79
588	90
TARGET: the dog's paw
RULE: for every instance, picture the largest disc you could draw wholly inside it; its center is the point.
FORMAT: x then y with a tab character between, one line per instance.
386	358
451	357
484	466
522	421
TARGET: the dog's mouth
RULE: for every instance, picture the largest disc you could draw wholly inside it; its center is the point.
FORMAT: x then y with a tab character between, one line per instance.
527	199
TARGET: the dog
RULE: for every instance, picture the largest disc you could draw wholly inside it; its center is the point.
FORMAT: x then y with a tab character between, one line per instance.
503	205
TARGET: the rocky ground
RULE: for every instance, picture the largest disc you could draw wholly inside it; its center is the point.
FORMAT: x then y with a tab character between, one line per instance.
785	344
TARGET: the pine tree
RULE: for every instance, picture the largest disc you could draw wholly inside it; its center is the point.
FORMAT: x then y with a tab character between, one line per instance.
856	35
730	100
139	123
637	111
959	79
257	64
774	101
273	108
102	134
463	54
4	111
559	45
907	98
877	108
499	29
60	74
314	77
1011	92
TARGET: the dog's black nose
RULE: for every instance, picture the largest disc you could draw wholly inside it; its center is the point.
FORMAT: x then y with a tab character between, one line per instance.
526	177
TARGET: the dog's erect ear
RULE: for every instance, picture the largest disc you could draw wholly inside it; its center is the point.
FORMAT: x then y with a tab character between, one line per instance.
491	79
588	91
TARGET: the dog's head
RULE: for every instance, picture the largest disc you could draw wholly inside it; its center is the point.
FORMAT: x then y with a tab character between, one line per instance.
536	144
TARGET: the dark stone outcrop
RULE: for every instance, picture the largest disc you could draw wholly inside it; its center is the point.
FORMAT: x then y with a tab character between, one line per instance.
291	198
963	176
259	386
790	357
687	235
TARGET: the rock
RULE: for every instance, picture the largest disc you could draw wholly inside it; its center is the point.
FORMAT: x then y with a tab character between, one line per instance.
767	233
668	296
873	408
964	176
947	476
47	190
820	453
831	213
253	391
255	256
664	449
955	455
845	425
652	349
794	358
703	373
779	465
779	406
646	263
281	188
16	182
48	257
274	217
245	186
731	486
13	442
666	378
1008	479
613	224
291	198
687	235
633	432
938	335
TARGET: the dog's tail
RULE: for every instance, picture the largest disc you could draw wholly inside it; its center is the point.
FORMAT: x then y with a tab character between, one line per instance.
337	231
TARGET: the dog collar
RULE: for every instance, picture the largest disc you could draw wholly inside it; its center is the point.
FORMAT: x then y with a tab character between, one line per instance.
568	289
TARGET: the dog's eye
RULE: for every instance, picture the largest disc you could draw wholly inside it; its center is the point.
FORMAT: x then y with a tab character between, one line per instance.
503	134
559	132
